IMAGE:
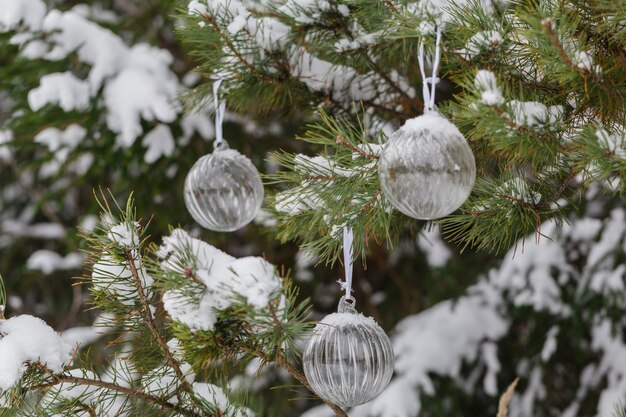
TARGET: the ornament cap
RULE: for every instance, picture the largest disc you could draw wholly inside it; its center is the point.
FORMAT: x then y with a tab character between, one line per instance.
220	145
346	305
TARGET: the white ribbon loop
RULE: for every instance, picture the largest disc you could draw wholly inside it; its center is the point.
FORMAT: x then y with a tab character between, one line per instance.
220	110
429	84
348	261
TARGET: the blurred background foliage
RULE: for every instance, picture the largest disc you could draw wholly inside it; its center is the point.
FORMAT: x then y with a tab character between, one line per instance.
395	283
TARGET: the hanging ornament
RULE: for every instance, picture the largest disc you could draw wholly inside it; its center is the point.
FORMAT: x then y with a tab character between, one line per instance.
223	190
427	169
349	359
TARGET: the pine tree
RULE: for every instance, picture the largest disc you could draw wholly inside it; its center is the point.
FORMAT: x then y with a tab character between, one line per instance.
537	88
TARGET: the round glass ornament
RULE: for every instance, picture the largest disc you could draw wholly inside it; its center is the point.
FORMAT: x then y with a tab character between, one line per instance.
427	169
349	359
223	190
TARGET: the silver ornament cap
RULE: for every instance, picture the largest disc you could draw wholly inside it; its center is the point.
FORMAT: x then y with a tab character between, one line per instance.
223	190
427	169
349	359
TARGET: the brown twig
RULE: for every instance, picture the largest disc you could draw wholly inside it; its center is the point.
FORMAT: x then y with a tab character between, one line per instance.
548	25
88	409
281	361
128	256
391	7
232	48
57	379
568	180
512	124
344	143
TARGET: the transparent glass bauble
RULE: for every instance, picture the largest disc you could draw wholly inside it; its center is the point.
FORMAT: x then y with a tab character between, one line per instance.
349	359
427	169
223	190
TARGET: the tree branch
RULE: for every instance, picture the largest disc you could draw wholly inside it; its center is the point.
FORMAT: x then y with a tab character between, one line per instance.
281	361
232	48
57	379
128	256
342	142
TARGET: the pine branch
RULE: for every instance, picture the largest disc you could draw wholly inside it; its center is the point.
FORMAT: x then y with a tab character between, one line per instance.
152	325
58	379
207	17
281	361
548	25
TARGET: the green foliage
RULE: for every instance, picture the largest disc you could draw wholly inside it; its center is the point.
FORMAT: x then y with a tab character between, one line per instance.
336	189
557	127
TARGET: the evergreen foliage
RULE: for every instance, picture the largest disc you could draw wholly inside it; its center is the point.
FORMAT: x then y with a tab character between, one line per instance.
537	88
547	124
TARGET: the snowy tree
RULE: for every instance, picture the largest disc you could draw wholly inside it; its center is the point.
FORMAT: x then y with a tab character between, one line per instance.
526	280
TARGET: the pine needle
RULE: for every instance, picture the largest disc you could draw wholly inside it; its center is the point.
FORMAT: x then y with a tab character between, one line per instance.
503	407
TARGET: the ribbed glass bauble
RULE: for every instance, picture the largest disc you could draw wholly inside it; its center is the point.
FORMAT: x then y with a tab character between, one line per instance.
349	359
223	190
427	169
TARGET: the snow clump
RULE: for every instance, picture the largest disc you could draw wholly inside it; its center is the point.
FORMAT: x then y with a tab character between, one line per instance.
26	339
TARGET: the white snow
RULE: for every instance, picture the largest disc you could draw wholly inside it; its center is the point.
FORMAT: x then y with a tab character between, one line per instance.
431	243
27	12
112	274
519	189
37	230
55	139
62	89
613	350
419	340
163	381
137	81
304	263
71	391
432	121
48	261
124	234
160	142
480	42
6	136
583	60
439	9
534	114
29	339
346	319
215	395
116	279
138	93
614	142
223	278
485	82
549	347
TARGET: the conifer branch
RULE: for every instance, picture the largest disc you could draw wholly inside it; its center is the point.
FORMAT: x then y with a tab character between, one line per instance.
58	379
88	409
416	104
281	361
512	124
128	256
231	47
548	25
369	155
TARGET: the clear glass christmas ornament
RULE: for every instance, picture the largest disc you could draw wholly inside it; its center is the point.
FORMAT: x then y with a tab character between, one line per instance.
223	190
349	359
427	169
